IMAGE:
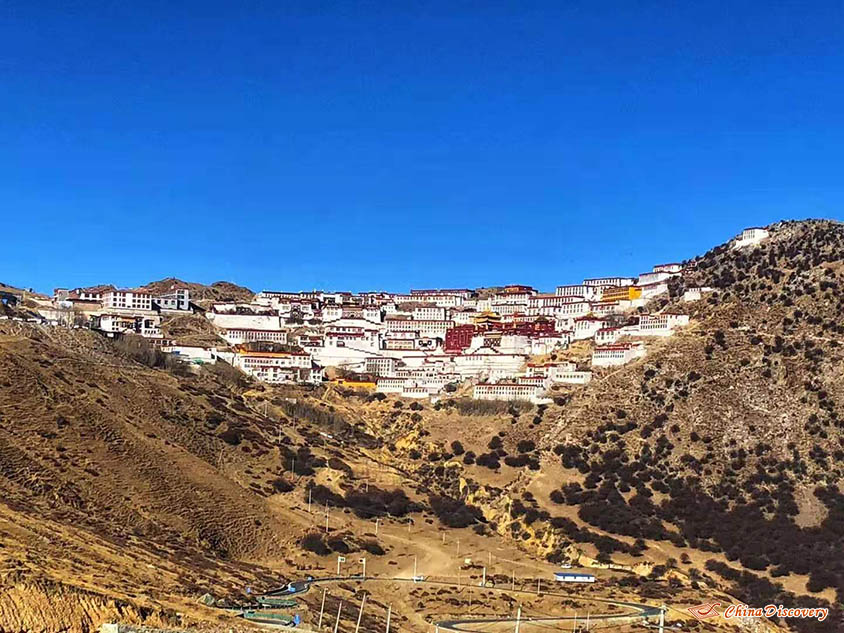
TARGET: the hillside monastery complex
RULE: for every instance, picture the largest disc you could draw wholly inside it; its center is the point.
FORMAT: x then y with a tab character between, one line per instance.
498	341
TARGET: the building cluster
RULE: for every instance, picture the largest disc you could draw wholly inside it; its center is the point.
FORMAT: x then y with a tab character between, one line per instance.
433	341
496	342
120	310
415	345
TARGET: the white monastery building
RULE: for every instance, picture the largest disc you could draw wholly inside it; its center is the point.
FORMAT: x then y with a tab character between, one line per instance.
148	326
617	354
127	299
236	336
275	367
750	236
600	282
175	299
509	391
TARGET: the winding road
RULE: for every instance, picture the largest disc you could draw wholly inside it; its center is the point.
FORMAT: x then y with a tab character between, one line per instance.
633	610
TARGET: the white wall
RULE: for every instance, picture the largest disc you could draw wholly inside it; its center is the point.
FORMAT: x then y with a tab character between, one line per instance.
248	321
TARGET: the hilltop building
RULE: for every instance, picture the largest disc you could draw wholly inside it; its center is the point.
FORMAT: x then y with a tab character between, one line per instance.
750	236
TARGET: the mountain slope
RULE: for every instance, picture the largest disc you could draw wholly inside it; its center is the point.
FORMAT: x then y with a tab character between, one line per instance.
724	444
128	490
121	464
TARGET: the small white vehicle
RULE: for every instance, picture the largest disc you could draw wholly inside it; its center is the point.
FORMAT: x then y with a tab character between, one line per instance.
565	566
418	578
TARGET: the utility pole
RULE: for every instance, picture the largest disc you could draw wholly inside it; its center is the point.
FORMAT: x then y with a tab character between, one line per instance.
321	610
337	621
662	610
363	562
518	618
538	586
389	611
360	613
574	628
587	621
310	494
376	527
458	547
414	566
326	517
483	582
340	559
513	585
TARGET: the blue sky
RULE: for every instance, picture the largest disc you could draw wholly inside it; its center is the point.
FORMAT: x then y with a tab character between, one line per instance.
390	145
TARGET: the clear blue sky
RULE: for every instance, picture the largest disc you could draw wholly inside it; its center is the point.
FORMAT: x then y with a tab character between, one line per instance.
368	145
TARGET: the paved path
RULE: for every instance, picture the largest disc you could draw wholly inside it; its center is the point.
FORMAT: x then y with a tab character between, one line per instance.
632	610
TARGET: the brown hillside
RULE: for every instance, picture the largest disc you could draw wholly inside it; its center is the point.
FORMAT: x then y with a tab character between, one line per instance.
129	488
725	443
204	295
104	459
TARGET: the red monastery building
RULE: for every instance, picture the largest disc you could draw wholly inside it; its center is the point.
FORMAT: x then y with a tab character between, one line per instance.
459	338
